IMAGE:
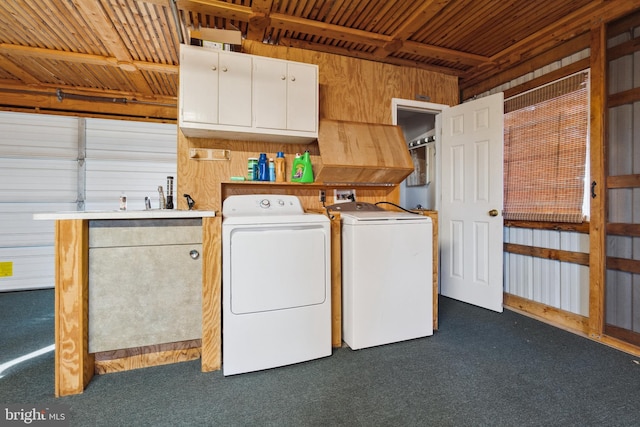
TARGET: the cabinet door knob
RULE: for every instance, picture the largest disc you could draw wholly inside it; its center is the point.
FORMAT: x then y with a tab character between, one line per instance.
224	69
194	254
293	78
283	77
214	68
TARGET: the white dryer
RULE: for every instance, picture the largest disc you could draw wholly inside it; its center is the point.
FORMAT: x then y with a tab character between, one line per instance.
276	283
387	281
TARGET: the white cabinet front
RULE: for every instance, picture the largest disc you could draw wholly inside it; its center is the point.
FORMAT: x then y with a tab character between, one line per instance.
238	96
285	95
215	87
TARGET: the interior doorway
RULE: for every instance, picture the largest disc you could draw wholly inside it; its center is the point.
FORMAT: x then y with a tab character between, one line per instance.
420	124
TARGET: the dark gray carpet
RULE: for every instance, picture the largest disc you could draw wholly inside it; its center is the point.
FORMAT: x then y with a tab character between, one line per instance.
480	369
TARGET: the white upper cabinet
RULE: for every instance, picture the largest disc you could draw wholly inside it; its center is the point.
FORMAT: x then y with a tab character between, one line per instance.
285	95
238	96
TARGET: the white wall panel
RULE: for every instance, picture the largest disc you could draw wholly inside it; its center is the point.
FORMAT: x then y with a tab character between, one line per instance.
128	157
41	170
558	284
38	173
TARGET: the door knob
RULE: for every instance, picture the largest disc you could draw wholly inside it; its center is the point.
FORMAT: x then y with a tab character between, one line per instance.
493	212
194	254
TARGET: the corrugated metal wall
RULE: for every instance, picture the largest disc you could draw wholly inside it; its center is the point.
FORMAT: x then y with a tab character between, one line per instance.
130	157
622	290
557	284
42	170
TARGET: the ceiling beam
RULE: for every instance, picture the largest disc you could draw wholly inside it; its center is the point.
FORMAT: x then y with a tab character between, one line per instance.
84	58
259	20
424	14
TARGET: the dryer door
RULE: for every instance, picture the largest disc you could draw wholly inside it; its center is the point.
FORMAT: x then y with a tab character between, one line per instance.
276	267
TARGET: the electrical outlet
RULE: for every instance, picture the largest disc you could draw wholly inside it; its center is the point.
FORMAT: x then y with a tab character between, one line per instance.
342	196
322	196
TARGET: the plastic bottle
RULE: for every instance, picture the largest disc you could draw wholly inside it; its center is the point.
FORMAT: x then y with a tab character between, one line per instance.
123	202
272	170
252	169
297	169
307	171
280	167
263	168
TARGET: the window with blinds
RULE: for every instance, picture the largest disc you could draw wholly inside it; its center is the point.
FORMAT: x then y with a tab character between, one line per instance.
545	152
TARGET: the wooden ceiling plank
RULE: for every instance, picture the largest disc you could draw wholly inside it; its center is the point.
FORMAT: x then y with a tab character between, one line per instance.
96	16
125	21
331	31
356	54
153	29
570	47
66	28
333	10
567	28
165	33
422	17
17	71
34	29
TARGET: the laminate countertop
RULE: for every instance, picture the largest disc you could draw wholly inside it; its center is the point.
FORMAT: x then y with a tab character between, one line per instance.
124	214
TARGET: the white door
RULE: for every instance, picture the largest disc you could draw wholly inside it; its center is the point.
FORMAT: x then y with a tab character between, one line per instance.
471	223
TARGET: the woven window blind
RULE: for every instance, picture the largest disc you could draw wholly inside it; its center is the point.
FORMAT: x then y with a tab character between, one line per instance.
545	149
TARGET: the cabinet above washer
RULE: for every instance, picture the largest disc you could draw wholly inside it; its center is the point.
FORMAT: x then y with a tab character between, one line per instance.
238	96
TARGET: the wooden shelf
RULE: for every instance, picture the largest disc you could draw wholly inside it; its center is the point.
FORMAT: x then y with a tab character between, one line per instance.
310	185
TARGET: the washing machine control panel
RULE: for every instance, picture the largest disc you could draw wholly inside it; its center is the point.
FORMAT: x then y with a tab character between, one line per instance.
260	204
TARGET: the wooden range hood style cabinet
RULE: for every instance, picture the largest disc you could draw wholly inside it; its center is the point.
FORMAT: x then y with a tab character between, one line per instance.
365	153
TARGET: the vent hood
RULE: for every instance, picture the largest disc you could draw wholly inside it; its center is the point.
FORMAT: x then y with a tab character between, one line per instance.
363	153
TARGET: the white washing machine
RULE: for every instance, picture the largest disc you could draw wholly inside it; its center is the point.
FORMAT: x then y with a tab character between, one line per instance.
387	281
276	283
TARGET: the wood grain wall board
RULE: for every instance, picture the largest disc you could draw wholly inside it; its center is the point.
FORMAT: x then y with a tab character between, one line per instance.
211	294
74	366
142	357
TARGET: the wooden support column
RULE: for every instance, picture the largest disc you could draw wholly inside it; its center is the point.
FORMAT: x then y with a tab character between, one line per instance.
74	366
597	247
211	293
336	280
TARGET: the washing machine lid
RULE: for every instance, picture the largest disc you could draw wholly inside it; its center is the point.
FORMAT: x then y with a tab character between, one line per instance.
368	217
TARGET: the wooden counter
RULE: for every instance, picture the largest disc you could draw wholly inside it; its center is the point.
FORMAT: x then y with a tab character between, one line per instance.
74	364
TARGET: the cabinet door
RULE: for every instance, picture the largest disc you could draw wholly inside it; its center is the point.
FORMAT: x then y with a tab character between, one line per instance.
302	97
270	93
198	85
234	92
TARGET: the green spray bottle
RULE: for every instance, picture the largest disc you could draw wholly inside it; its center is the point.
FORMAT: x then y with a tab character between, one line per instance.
302	171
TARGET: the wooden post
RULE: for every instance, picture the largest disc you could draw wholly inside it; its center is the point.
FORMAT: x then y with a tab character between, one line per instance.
211	293
597	252
74	366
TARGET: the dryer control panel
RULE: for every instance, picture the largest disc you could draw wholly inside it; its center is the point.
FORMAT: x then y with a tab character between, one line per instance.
261	204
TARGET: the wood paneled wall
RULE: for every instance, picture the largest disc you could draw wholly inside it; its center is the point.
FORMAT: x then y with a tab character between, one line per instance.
350	89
